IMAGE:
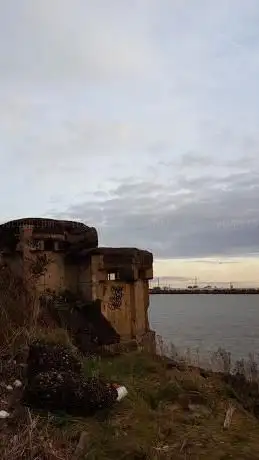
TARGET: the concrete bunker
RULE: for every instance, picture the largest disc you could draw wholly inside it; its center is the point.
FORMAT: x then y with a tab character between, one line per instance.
110	284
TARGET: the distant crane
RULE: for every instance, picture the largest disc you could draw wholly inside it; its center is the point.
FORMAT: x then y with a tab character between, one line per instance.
195	285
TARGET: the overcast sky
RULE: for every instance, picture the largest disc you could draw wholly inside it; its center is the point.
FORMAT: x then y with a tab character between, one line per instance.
140	117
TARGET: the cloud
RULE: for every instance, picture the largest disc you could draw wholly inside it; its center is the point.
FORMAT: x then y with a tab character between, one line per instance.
191	159
158	217
138	117
82	42
168	279
218	261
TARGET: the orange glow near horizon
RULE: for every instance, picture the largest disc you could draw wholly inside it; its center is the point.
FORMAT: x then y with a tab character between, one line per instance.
241	271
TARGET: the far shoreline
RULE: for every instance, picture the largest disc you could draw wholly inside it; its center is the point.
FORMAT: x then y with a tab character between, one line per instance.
248	291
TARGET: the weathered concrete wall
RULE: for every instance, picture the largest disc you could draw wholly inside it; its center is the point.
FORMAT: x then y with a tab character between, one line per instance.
124	304
114	296
116	306
72	277
146	303
97	276
85	280
54	278
124	297
139	289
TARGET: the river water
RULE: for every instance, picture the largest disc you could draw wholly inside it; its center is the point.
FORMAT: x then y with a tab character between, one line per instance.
204	323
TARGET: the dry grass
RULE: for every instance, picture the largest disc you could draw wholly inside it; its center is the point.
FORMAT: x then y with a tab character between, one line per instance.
155	422
34	439
19	304
171	412
163	425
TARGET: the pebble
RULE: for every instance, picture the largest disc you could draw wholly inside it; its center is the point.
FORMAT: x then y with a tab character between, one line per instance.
9	388
17	384
4	414
122	392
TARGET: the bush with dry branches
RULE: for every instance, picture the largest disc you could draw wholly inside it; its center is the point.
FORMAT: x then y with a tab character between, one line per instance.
19	306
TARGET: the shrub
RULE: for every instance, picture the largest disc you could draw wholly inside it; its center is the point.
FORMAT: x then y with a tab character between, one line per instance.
19	306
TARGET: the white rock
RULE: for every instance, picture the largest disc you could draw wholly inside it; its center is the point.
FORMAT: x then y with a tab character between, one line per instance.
4	414
17	384
9	388
122	392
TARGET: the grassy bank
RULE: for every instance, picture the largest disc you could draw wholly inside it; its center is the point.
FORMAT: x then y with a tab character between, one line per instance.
171	412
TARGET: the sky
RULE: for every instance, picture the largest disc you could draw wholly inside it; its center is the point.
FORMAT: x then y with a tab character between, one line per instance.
141	118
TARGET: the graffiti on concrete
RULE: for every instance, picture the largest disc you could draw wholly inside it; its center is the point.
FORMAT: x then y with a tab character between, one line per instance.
115	300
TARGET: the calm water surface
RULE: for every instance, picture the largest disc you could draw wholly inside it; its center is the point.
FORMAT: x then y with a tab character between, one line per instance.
207	322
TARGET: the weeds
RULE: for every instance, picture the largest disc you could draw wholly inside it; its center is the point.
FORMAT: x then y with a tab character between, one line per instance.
167	393
35	441
19	304
220	360
154	422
